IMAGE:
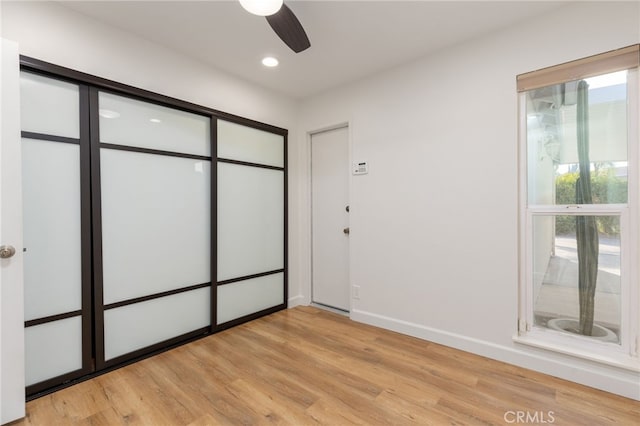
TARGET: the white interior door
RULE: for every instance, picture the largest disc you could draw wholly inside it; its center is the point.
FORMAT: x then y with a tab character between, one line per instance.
330	218
12	400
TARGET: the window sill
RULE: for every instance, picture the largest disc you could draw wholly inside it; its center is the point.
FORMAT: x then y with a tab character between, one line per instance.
622	361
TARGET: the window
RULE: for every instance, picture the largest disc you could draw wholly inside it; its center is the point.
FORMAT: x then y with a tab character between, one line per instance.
579	207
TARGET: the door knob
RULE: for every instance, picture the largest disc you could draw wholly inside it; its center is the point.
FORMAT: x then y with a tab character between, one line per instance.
346	231
7	251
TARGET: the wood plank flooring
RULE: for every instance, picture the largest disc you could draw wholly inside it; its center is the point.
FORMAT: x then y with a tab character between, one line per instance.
306	366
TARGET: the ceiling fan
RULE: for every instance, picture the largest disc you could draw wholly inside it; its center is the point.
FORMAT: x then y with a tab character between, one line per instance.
282	21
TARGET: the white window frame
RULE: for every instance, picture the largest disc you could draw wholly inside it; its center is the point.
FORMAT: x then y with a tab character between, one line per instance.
623	355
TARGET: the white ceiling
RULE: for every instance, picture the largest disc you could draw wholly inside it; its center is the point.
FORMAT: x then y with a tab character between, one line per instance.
349	39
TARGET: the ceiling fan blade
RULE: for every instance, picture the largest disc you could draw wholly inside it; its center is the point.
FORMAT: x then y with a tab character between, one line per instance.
289	29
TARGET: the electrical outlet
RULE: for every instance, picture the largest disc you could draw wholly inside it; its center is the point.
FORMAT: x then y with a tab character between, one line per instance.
356	292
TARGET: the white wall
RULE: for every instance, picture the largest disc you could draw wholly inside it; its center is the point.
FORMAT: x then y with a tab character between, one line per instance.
53	33
434	225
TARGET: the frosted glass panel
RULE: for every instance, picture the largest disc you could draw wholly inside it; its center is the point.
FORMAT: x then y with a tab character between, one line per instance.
236	142
126	121
136	326
51	202
250	220
156	223
246	297
53	349
49	106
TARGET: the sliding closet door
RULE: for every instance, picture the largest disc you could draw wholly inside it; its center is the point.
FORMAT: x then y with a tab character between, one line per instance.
148	222
251	208
152	203
57	245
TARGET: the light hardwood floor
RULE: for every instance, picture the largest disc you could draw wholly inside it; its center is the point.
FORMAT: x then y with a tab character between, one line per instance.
306	366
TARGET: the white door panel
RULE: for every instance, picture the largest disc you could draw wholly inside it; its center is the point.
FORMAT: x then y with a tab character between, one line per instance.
12	400
330	197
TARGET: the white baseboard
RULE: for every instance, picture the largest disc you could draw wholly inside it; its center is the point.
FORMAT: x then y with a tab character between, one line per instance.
609	379
297	301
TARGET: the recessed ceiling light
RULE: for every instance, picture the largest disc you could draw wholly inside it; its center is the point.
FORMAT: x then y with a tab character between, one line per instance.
270	62
155	120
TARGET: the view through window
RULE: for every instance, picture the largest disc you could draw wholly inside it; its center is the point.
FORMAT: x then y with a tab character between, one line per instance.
580	146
